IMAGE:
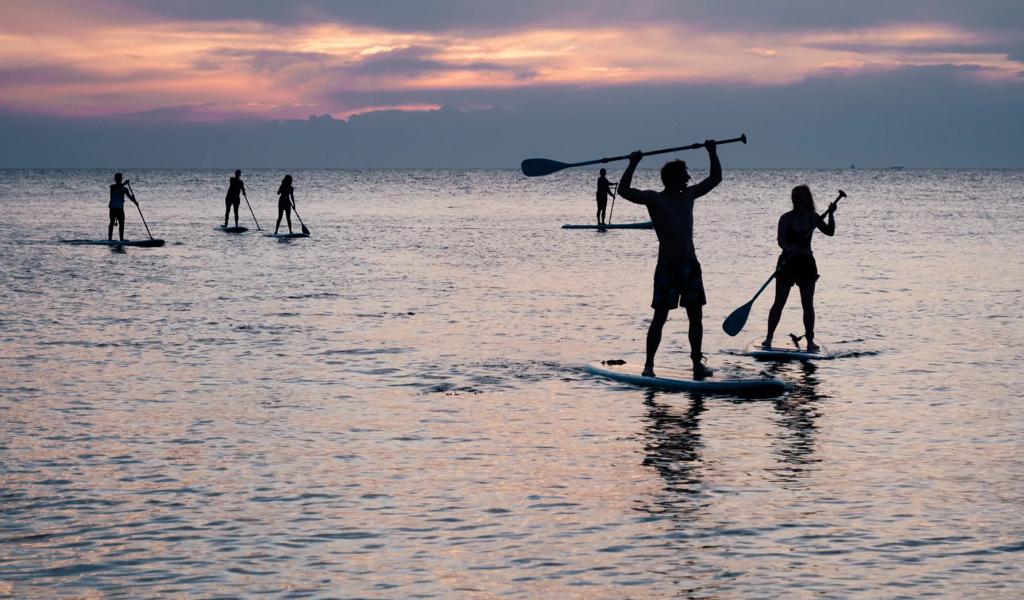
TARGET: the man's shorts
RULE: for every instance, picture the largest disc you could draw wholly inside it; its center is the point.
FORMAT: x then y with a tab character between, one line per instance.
602	203
117	214
799	270
678	285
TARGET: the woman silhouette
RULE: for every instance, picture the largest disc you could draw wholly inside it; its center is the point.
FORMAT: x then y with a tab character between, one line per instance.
285	200
796	265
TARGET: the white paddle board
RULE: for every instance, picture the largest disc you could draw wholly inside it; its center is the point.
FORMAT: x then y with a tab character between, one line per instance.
140	243
676	380
286	235
639	225
756	350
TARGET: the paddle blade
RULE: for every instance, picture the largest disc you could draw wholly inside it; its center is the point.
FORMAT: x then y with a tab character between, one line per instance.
734	323
534	167
305	230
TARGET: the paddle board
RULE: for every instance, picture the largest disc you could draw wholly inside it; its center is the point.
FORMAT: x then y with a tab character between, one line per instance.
676	380
286	235
238	229
756	350
140	243
638	225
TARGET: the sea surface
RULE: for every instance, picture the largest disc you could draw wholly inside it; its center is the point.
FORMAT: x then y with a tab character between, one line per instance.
395	407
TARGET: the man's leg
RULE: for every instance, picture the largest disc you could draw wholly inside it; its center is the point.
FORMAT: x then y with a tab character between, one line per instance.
227	211
110	228
654	339
696	335
120	225
236	213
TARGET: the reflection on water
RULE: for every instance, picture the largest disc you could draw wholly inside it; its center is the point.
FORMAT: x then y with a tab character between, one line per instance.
672	445
393	407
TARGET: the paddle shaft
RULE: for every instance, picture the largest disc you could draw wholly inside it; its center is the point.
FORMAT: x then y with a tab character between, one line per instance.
533	167
742	138
140	210
252	213
304	229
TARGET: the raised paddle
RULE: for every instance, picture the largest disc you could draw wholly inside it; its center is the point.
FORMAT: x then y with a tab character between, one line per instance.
304	230
734	323
534	167
140	209
252	213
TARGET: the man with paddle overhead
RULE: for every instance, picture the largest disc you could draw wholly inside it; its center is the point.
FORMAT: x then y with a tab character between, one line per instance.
604	189
677	278
118	190
234	197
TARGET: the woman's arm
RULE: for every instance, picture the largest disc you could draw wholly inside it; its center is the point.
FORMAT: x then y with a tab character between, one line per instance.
828	227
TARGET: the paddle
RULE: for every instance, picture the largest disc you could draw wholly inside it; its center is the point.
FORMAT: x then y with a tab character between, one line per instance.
140	209
734	323
252	213
533	167
304	230
613	203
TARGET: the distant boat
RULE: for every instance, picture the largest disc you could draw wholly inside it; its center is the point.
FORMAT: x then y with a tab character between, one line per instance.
853	166
896	168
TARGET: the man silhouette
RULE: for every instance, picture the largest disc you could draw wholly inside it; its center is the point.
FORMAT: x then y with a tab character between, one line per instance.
604	189
118	191
677	278
234	197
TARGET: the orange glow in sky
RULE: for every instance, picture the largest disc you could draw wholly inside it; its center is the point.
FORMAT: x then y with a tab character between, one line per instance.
72	62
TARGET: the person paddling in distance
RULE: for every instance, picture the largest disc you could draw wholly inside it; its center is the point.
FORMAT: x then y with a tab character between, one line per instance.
796	265
236	189
604	189
677	278
118	190
285	201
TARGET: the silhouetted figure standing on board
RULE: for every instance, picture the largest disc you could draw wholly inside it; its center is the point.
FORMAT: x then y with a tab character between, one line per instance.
796	265
604	189
677	278
236	188
285	200
118	190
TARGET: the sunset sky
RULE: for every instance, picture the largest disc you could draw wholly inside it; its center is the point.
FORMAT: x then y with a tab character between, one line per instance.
218	63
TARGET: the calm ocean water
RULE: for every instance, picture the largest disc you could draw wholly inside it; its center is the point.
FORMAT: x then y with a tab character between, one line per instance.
394	407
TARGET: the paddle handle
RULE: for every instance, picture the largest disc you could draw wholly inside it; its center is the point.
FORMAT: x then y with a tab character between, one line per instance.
742	138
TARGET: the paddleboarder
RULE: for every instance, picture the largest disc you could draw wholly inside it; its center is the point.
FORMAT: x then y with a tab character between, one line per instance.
796	264
118	190
677	278
285	200
604	189
236	189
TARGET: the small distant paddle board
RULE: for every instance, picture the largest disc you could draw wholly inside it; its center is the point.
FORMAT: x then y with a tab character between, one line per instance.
638	225
286	235
756	350
676	380
238	229
139	243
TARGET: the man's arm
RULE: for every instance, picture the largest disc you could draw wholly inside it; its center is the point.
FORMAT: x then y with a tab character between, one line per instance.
626	182
715	177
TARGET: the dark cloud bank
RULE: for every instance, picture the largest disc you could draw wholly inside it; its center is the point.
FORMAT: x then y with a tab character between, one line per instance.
920	117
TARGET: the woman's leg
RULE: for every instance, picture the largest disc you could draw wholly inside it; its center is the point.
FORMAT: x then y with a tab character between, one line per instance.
288	215
775	314
807	300
280	212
